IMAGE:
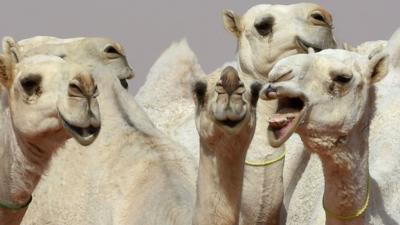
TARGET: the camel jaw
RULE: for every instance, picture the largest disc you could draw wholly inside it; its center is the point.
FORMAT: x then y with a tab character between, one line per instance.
83	135
305	45
284	122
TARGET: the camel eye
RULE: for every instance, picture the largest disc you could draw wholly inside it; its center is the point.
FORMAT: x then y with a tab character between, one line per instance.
264	27
318	16
318	19
112	52
31	84
342	78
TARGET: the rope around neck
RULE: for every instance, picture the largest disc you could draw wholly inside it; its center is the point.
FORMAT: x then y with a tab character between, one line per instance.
10	206
356	214
267	162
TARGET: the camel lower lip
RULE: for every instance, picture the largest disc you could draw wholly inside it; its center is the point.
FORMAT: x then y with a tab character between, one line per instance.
285	121
230	123
84	135
305	45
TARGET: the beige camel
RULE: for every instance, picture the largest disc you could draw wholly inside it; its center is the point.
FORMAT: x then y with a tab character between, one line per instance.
294	29
304	208
225	121
68	171
48	102
328	99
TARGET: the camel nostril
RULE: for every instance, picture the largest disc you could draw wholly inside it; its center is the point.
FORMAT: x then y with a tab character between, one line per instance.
83	85
230	80
75	90
270	92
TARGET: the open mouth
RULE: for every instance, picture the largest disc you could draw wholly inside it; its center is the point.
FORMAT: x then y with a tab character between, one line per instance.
285	120
306	45
230	123
84	135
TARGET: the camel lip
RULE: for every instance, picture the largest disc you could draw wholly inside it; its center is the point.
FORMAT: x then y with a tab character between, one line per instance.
84	135
286	119
230	123
305	45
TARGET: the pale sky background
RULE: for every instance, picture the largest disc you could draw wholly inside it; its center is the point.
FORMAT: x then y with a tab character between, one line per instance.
146	28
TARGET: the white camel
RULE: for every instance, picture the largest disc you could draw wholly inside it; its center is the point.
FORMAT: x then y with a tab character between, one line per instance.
225	121
328	98
68	171
265	34
303	207
48	101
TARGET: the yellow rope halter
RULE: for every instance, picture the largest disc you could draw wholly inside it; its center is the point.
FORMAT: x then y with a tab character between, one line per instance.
267	162
356	214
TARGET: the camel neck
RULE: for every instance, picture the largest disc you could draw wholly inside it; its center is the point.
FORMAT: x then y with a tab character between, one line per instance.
19	171
345	167
219	186
129	110
21	165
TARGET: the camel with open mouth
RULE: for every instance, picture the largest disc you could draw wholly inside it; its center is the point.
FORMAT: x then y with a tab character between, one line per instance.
68	174
328	98
47	102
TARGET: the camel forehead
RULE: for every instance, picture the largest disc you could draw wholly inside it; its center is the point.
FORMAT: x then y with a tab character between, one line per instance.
343	56
48	39
286	11
39	59
46	64
43	41
327	56
327	60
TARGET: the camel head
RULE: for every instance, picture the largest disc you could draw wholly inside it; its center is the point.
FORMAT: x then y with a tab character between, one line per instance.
267	33
324	94
49	99
225	109
102	55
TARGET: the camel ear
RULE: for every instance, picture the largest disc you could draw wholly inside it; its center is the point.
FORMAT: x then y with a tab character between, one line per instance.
199	90
379	64
348	47
231	22
5	71
394	49
11	48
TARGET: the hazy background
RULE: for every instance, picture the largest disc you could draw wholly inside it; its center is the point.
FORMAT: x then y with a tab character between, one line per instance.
146	28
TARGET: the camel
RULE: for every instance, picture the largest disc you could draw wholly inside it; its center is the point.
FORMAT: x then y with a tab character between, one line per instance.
304	208
68	171
295	28
328	98
48	102
225	121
